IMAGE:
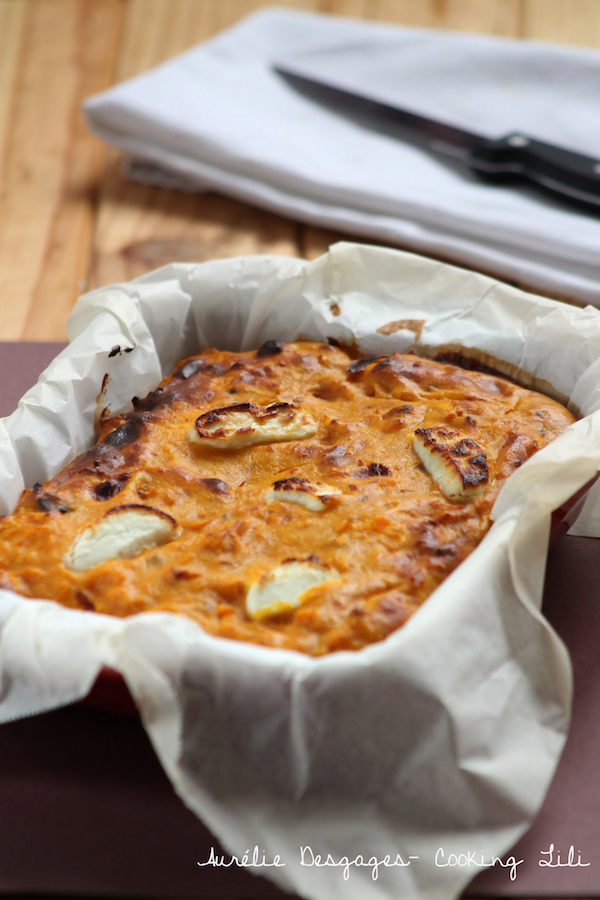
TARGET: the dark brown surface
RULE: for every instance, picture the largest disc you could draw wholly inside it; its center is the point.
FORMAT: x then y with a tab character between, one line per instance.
571	812
86	809
20	365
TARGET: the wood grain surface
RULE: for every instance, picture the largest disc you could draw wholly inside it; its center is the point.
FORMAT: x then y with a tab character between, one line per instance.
68	219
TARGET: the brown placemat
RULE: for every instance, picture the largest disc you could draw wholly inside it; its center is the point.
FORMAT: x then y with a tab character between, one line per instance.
86	809
21	363
570	815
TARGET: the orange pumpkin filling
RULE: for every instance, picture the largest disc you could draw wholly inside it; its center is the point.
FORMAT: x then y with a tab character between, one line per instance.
288	496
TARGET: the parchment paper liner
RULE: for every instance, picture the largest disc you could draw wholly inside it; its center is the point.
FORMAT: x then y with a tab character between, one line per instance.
445	735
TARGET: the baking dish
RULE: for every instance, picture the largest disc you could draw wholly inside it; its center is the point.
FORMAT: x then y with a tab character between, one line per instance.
403	737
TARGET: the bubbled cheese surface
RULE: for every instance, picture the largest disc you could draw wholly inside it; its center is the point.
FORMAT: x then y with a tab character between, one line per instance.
290	496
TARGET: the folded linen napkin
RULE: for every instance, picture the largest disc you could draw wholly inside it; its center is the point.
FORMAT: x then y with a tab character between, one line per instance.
219	117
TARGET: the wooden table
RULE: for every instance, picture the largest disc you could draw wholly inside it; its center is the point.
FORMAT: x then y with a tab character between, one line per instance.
68	220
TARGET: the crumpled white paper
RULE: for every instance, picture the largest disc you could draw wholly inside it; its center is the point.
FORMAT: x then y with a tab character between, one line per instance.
442	738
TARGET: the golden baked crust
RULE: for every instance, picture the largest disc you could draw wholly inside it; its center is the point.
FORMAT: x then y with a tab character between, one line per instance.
287	496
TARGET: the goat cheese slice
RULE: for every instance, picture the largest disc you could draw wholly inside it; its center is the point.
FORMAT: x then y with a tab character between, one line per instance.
286	588
244	424
311	494
457	463
123	533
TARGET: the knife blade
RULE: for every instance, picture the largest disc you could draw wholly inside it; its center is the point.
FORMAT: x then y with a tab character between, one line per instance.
565	173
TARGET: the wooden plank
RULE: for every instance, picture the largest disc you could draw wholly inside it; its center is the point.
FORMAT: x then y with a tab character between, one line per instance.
141	227
11	29
358	9
567	21
500	17
315	241
60	51
156	30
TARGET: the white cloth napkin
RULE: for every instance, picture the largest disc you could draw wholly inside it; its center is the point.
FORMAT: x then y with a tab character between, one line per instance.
218	117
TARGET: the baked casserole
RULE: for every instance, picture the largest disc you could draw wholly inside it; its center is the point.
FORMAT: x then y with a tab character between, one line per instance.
290	496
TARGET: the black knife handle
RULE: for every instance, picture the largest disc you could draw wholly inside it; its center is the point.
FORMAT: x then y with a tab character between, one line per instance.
560	171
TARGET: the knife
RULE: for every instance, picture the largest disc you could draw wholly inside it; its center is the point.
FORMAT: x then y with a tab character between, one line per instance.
516	157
